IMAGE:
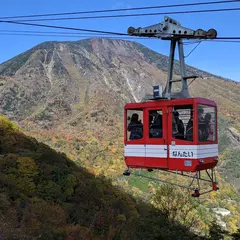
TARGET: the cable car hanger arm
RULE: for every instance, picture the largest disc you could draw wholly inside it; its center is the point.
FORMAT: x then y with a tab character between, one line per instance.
170	29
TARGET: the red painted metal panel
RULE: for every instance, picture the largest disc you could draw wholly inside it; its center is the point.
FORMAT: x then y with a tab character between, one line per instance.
158	103
174	164
177	164
135	162
148	163
159	163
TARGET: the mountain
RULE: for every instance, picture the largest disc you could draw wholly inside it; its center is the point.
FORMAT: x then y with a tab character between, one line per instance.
55	80
70	95
73	76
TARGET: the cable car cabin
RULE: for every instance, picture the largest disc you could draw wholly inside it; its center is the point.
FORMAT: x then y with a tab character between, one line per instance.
174	132
179	134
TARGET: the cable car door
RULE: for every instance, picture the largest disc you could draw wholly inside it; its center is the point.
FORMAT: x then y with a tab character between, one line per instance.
134	149
180	136
156	138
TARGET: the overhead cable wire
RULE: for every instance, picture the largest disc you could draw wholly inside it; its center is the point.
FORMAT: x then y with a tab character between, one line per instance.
70	28
130	15
224	41
212	40
191	42
122	9
107	36
48	35
82	33
48	32
227	38
95	31
73	36
62	27
192	50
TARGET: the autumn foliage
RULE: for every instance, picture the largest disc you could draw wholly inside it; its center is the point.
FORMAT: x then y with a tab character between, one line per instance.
45	195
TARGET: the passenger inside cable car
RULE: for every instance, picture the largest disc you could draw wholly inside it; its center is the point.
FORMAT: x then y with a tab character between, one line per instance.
210	127
182	122
178	126
206	128
155	129
135	127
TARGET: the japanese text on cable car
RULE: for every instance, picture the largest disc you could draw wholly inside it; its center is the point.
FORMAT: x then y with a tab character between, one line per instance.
182	154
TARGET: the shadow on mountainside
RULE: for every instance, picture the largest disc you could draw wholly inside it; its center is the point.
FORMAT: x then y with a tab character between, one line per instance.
44	195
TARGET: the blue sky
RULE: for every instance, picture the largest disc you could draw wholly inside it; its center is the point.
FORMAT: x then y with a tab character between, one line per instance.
218	58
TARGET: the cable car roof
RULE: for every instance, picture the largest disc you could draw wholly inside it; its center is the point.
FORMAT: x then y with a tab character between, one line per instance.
166	102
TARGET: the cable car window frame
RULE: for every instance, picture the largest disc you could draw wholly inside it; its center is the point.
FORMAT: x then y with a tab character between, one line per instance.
215	133
181	106
154	125
127	121
189	107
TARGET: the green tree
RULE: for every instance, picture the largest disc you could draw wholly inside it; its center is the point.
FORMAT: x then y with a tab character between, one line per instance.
177	205
26	171
27	167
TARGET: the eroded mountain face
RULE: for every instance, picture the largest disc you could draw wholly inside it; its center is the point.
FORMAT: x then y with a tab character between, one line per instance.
85	84
56	80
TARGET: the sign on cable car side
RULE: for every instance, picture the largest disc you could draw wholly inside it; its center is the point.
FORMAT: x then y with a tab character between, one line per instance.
193	151
181	154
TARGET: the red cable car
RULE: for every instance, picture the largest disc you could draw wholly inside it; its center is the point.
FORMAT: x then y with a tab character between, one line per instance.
172	131
171	135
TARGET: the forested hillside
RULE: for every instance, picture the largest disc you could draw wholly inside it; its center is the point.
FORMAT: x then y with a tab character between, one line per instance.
44	195
104	157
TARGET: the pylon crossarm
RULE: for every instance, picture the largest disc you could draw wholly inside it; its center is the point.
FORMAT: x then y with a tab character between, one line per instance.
171	29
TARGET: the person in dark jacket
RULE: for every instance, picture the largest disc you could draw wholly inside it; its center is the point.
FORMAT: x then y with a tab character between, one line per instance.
155	129
135	127
202	127
209	128
180	126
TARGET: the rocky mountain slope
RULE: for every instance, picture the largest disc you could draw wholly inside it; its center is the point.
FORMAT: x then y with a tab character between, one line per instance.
55	80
